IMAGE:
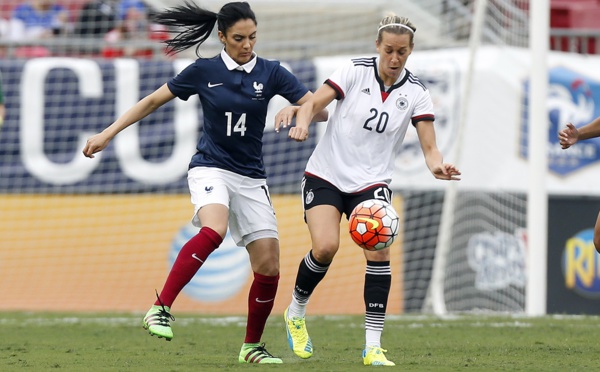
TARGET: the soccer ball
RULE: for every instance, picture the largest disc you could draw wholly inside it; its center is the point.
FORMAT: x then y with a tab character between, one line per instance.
373	224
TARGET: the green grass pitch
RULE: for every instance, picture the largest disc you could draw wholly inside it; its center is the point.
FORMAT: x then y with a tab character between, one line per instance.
117	342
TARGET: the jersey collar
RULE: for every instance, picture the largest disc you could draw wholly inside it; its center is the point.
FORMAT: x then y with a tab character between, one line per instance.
233	65
398	83
402	74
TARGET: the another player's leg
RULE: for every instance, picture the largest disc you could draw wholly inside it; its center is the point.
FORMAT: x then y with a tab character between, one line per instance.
257	353
158	320
188	262
597	234
323	223
264	258
378	280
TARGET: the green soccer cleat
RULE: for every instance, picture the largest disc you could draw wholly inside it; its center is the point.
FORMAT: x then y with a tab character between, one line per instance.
297	336
374	356
157	322
256	353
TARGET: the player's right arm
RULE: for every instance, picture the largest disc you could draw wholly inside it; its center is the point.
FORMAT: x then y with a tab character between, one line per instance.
140	110
570	135
315	105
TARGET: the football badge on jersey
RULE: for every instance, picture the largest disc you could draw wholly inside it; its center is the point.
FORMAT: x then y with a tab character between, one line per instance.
258	88
402	103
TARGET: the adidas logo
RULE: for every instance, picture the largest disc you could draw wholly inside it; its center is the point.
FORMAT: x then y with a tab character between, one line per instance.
366	91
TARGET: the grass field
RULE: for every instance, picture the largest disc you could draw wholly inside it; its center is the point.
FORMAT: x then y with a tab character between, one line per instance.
116	342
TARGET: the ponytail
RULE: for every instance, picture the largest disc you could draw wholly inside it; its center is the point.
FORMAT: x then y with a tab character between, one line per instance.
196	24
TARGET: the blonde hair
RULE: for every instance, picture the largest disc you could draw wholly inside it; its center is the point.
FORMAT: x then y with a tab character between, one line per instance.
397	25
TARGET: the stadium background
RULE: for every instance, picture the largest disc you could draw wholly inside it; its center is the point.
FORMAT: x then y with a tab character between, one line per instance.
99	235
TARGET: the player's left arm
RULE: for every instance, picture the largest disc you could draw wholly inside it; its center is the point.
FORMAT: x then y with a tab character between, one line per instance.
433	156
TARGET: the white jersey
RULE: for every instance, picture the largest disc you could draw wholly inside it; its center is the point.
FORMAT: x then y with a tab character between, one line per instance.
365	131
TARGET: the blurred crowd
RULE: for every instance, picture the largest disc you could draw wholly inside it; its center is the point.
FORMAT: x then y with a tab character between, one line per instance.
108	23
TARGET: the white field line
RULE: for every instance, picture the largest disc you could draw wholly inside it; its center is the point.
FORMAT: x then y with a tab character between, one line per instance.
392	321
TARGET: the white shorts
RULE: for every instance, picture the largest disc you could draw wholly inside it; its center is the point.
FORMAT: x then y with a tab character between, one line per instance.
251	214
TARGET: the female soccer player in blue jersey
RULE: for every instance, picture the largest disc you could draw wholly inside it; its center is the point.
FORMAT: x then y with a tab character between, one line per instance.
569	136
226	176
354	161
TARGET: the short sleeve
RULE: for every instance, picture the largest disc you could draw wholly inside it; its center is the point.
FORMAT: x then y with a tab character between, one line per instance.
183	85
342	79
289	87
423	108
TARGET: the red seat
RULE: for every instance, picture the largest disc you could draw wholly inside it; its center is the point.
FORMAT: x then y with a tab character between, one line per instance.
575	14
27	52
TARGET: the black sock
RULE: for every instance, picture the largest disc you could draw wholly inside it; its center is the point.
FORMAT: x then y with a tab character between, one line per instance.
310	273
378	279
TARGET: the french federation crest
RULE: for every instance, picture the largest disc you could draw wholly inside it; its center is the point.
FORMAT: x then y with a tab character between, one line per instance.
571	99
258	88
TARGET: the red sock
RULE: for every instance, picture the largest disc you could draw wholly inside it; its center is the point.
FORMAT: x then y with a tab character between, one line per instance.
260	303
188	261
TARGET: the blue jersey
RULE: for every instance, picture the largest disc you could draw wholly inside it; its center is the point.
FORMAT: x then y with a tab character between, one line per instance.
234	104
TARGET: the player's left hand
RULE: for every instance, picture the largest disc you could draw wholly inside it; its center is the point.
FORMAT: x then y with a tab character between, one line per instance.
447	172
284	117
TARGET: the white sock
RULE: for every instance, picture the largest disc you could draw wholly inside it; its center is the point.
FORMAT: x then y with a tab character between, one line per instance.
296	309
373	338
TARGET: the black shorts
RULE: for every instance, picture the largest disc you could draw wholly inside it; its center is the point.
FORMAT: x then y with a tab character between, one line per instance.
316	191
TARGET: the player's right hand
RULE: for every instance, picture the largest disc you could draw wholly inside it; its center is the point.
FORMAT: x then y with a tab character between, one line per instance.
298	133
95	143
568	136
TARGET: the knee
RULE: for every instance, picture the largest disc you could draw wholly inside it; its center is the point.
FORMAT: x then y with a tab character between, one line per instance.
378	256
269	266
597	243
264	256
219	229
325	252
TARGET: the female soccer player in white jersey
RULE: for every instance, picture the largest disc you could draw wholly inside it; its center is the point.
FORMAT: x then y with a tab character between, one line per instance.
226	176
354	161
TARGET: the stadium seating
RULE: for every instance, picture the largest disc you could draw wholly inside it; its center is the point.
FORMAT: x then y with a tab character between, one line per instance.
579	16
575	14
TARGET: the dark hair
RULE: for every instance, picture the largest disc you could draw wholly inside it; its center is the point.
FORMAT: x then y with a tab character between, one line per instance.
197	23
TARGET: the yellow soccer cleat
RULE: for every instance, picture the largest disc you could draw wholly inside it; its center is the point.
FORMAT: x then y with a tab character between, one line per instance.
374	356
297	336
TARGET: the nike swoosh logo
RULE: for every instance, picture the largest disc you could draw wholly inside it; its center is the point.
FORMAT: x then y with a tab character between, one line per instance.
214	85
196	257
263	301
374	224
